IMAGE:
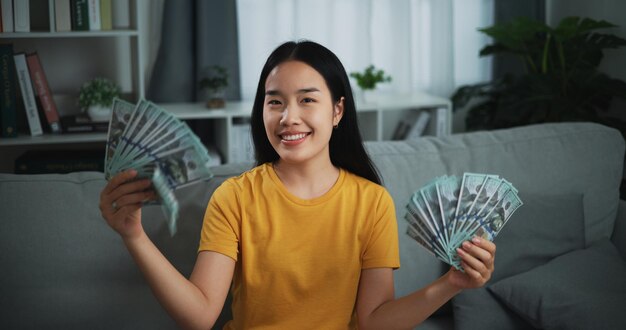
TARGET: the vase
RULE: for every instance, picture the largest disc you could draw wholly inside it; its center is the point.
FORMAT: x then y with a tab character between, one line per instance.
369	96
216	99
99	113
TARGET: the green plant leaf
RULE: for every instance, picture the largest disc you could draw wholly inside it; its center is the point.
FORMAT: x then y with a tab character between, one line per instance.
562	81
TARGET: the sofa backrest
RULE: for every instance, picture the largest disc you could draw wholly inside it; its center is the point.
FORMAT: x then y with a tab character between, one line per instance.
64	268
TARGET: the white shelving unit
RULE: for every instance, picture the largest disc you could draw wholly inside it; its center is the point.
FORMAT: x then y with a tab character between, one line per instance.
377	119
70	59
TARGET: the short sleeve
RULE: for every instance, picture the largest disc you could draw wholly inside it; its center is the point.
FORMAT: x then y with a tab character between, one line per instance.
382	249
221	224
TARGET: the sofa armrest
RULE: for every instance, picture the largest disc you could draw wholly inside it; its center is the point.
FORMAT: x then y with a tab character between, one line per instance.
619	231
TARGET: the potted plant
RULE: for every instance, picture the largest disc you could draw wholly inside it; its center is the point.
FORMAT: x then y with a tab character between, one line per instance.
96	97
561	81
214	84
369	78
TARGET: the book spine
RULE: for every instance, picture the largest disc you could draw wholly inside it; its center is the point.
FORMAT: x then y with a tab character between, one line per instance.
51	15
443	126
28	96
94	15
21	16
419	125
80	15
120	10
106	16
8	102
63	15
7	15
42	92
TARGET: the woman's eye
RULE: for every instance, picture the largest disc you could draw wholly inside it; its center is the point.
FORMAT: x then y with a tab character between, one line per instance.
273	102
308	100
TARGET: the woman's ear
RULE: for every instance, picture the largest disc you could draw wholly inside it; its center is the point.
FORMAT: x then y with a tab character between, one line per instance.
338	111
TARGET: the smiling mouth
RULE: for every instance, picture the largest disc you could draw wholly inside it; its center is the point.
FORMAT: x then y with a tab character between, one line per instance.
293	137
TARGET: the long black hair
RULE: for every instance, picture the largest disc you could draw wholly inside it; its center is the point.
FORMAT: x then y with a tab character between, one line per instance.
346	144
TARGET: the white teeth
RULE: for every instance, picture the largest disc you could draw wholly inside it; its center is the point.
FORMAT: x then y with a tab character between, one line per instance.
294	137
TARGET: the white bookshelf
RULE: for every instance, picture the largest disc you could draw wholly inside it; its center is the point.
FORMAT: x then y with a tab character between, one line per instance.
70	59
377	118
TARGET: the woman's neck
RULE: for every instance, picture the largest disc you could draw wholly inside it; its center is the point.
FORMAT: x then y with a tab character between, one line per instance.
307	181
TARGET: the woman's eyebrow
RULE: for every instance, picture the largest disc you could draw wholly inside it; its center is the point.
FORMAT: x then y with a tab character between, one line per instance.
273	92
308	90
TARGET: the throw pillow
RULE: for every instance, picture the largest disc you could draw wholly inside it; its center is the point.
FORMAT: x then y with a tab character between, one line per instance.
544	227
583	289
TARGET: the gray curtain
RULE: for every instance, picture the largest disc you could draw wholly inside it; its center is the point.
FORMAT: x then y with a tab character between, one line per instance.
506	10
195	34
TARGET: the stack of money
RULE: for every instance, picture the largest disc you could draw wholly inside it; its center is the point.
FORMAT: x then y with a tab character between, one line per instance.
157	145
449	211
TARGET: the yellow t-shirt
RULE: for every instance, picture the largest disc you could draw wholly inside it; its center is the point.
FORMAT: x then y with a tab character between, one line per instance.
298	262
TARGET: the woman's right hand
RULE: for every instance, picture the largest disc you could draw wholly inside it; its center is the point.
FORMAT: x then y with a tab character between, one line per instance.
121	200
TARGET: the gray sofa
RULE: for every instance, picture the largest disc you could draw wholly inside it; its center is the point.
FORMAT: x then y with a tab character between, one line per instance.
63	268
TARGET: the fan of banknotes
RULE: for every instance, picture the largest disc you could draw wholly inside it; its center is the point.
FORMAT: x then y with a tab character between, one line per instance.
159	146
450	210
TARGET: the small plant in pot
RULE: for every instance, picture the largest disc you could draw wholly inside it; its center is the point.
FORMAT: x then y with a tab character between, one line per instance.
96	97
214	85
369	78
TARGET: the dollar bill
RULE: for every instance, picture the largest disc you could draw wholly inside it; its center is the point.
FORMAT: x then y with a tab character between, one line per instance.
431	201
448	211
147	138
120	116
169	204
448	193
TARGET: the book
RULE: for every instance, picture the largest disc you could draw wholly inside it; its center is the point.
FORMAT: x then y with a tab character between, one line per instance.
401	130
82	124
418	126
241	146
120	14
39	15
59	161
62	15
43	96
93	7
7	15
21	16
28	96
80	15
8	102
106	16
442	122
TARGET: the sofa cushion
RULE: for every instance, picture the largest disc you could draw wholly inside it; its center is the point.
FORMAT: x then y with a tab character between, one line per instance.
545	227
479	309
584	289
70	269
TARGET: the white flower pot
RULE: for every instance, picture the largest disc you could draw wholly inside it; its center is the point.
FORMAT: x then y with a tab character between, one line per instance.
99	113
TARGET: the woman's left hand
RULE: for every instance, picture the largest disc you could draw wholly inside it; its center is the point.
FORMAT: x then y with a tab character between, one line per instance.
477	258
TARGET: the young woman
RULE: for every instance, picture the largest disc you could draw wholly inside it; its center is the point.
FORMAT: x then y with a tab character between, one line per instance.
308	238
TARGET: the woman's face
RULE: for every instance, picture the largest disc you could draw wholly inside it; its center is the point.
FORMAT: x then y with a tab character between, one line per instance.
298	113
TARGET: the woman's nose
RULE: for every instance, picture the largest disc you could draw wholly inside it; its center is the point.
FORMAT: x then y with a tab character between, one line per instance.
290	116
